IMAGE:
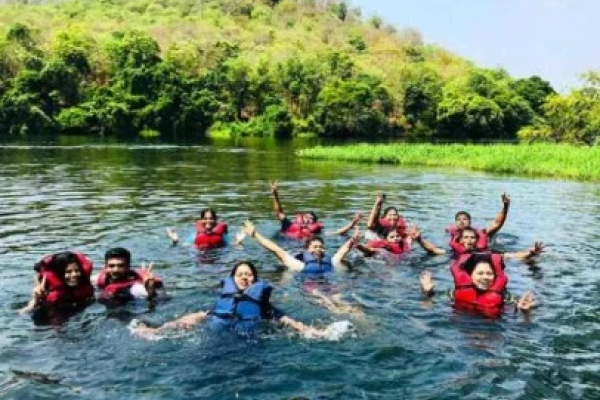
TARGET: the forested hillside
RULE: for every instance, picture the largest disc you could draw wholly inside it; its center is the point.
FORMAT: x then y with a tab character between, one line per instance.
242	67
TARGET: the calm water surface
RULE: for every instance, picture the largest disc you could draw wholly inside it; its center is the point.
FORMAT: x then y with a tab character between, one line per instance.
90	197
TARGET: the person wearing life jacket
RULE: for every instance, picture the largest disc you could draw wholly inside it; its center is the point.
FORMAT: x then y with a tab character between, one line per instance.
379	223
392	244
479	285
467	243
118	281
462	220
314	265
243	305
210	232
62	279
302	226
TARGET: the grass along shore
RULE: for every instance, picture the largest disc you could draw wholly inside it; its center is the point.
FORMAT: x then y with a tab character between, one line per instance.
561	161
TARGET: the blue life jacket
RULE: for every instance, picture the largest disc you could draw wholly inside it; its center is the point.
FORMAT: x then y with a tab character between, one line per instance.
313	266
240	309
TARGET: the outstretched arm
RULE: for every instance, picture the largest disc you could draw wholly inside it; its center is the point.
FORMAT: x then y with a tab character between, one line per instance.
276	202
429	247
343	230
186	322
284	256
496	224
374	216
534	251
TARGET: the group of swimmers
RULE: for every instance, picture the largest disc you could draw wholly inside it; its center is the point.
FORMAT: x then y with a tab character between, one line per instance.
480	281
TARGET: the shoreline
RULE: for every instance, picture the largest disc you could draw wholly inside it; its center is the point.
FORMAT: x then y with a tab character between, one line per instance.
541	160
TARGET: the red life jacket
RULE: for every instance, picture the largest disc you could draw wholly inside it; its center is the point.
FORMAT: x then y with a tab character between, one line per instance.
482	243
300	230
57	291
394	248
468	297
400	225
210	239
111	288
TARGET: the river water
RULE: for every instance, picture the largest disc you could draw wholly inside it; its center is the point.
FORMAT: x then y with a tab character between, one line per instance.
58	196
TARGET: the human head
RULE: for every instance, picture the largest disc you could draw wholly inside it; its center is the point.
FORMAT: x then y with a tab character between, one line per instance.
479	267
68	267
391	214
309	217
315	246
468	238
462	219
208	217
244	274
117	262
392	235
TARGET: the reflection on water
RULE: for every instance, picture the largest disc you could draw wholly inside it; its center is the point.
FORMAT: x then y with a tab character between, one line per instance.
92	196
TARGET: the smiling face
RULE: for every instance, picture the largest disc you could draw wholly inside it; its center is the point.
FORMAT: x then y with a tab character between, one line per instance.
72	274
483	275
209	220
116	267
243	277
316	248
392	216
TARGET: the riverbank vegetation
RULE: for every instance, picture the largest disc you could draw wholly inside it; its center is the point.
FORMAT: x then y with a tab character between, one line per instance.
552	160
261	68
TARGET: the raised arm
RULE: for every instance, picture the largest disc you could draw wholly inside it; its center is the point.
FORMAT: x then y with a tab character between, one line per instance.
337	258
276	202
343	230
286	259
534	251
374	216
497	224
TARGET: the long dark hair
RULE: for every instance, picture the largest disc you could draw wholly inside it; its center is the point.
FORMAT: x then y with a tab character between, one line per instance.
61	261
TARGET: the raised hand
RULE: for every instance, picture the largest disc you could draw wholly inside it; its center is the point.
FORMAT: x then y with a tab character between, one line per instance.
505	199
426	281
273	185
357	217
39	287
526	302
379	197
172	235
149	279
249	228
537	249
239	237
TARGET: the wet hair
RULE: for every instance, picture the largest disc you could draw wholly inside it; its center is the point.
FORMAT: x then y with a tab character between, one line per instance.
250	265
388	209
471	263
205	211
61	261
313	239
458	214
118	252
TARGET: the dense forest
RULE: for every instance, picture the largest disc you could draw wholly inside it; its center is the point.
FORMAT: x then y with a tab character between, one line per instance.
261	68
